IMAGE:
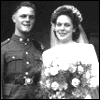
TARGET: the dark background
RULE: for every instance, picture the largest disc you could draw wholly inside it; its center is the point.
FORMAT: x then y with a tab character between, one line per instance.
88	9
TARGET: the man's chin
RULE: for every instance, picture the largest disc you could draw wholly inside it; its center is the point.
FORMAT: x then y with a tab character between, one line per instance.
26	31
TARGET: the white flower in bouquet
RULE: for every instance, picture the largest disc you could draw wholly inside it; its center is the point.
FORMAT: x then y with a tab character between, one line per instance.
53	71
77	93
88	75
65	86
60	88
60	94
52	97
47	83
41	82
88	97
47	71
80	69
63	98
72	68
94	82
75	82
55	86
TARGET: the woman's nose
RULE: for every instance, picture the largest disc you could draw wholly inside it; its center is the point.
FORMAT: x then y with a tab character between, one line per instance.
62	27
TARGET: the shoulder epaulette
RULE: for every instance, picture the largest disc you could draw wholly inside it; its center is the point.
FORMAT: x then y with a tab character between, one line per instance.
39	45
5	42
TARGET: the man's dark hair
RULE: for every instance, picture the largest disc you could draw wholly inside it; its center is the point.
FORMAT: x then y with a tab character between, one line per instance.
24	3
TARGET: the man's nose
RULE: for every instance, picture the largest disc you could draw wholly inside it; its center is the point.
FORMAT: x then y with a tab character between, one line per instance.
27	18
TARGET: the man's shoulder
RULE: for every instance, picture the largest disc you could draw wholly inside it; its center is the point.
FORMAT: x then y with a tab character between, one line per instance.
38	44
5	42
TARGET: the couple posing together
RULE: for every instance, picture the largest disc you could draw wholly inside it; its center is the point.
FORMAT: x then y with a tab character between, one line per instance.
24	59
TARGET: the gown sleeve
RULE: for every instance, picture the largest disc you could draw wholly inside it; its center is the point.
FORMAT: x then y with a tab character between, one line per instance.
95	70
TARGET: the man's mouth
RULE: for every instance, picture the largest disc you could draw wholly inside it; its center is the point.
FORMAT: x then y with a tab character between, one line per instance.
27	25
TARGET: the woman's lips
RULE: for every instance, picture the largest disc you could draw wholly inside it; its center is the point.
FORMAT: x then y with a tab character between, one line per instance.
62	33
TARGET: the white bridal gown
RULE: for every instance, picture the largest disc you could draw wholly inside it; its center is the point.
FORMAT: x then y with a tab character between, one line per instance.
73	52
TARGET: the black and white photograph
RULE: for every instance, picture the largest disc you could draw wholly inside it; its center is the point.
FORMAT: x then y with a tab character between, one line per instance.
49	49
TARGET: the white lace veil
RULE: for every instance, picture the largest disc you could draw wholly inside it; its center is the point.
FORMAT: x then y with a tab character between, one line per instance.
82	37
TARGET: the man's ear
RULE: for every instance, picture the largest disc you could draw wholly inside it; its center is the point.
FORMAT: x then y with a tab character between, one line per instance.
13	18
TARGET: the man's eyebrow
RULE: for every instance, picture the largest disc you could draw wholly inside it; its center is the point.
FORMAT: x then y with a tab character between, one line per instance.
28	14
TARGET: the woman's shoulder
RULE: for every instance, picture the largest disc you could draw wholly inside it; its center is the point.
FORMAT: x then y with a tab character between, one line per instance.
85	45
50	51
79	45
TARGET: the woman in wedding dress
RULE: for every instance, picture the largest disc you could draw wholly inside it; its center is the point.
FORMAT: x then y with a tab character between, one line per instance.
69	43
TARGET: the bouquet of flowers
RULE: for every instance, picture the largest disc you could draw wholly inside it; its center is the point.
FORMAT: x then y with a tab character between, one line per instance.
72	82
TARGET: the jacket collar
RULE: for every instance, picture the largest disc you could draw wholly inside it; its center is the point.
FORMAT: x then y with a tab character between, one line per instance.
20	39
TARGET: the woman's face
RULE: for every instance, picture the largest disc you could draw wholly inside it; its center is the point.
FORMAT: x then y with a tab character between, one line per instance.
64	27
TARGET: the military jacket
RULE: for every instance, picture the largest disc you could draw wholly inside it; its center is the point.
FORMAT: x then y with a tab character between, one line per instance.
19	57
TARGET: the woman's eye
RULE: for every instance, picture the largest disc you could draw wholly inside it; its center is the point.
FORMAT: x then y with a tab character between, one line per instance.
67	25
58	24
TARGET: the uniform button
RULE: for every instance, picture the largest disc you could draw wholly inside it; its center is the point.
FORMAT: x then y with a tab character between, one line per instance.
27	62
27	53
25	43
40	58
26	73
13	57
21	39
28	39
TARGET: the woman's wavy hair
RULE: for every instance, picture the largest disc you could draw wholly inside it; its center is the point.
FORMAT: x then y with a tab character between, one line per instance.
70	11
76	17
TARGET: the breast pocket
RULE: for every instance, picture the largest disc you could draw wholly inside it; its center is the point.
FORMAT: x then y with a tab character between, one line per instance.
14	56
14	61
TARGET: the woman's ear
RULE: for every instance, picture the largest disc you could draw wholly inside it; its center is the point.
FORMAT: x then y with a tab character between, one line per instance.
13	18
74	30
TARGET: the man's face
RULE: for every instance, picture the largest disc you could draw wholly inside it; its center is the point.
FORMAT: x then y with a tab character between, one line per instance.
24	19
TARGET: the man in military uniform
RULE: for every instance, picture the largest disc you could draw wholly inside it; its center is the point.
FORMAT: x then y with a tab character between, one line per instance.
21	57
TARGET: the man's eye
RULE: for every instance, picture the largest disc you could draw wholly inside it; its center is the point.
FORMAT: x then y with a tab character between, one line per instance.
23	16
32	17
